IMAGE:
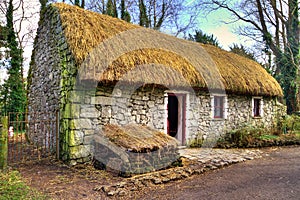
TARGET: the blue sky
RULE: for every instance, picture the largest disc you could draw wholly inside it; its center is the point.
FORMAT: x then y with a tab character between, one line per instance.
215	24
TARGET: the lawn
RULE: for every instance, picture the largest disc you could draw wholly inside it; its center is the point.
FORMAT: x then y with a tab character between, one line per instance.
13	187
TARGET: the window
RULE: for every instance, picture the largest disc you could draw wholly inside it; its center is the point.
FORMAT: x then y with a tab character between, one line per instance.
257	107
218	106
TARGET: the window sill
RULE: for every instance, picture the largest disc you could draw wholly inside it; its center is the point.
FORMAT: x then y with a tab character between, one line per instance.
257	117
218	119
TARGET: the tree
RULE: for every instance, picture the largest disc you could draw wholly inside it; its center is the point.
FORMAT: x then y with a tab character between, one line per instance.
204	38
242	51
111	8
14	90
144	21
172	16
43	4
275	24
124	13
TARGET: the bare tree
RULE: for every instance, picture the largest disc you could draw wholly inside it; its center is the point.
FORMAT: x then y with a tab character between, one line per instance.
172	16
25	22
274	24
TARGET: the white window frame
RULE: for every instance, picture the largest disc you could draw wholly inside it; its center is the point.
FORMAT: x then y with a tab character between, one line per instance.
261	106
225	106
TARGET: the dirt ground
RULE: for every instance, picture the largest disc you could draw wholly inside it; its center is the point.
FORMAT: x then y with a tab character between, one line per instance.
59	181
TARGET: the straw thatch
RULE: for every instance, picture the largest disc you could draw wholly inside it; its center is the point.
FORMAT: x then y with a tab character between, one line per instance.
176	61
137	138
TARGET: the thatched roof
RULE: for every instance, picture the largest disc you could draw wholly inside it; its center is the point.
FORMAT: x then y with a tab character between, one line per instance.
138	138
109	49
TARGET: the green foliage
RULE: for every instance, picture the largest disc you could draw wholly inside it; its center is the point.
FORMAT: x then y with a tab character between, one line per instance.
286	132
43	5
288	60
111	8
3	33
242	51
144	21
76	3
124	13
13	93
268	137
244	136
204	38
289	124
12	187
196	142
288	80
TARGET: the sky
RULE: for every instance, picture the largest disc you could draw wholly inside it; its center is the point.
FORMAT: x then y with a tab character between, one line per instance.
225	33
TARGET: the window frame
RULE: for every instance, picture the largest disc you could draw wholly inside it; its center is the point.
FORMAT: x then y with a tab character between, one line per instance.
223	104
257	107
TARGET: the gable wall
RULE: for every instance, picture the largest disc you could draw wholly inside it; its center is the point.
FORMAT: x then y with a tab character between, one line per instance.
51	77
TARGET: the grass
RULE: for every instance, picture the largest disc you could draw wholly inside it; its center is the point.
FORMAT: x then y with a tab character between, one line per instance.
268	137
13	187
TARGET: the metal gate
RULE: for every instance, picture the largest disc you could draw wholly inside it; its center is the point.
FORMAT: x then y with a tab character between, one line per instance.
32	136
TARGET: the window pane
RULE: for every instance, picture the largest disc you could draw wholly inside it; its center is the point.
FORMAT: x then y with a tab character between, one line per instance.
256	108
218	106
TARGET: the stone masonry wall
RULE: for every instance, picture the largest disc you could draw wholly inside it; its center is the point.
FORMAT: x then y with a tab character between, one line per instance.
146	106
44	91
51	79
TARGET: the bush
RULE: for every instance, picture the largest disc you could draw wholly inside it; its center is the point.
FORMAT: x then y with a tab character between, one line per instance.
289	124
287	132
242	137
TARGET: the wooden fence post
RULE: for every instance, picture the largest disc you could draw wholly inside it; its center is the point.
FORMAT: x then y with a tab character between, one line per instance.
3	143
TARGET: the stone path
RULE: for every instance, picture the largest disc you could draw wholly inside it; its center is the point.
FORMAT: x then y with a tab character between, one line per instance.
210	155
195	161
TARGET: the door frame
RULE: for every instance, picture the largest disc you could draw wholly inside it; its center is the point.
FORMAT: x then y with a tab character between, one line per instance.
182	115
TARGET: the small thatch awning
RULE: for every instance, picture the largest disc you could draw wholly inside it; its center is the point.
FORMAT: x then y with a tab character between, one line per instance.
109	49
138	138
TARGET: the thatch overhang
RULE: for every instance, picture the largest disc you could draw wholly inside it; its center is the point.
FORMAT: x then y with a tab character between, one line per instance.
109	49
138	138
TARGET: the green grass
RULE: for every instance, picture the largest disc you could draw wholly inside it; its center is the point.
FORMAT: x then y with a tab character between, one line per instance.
268	137
14	188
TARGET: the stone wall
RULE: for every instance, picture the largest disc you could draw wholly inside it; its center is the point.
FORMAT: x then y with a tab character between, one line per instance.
146	106
51	78
44	90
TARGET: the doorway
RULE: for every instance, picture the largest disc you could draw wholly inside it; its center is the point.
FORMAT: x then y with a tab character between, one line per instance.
176	116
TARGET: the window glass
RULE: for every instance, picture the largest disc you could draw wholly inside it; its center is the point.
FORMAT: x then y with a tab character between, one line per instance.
256	107
218	106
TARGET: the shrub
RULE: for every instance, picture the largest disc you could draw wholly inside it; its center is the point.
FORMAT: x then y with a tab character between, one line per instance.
289	124
243	136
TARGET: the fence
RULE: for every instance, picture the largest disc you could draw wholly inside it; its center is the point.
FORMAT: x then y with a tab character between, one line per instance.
3	143
30	136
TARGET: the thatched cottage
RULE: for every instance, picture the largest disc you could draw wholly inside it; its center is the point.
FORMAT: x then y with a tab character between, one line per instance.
100	71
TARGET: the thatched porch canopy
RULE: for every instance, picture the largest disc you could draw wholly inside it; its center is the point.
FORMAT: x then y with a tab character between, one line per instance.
109	49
